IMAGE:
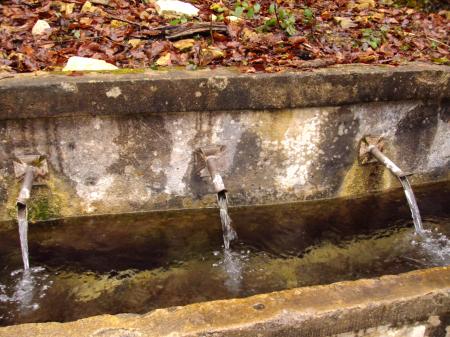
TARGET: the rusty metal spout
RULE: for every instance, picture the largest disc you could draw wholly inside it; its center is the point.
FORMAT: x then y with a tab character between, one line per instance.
207	158
371	149
25	190
30	168
390	165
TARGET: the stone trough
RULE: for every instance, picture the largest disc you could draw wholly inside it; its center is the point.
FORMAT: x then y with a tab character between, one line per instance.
121	143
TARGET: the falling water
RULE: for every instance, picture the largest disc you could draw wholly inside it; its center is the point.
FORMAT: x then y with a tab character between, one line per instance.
412	204
22	215
231	262
229	234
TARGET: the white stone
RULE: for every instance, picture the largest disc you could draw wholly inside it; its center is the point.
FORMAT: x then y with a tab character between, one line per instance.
77	63
39	27
175	7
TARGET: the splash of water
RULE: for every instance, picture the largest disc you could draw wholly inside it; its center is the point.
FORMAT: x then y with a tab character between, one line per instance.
435	246
22	219
233	267
29	286
412	204
229	234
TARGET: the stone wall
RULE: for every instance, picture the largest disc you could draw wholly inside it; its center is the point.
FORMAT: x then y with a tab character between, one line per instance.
111	161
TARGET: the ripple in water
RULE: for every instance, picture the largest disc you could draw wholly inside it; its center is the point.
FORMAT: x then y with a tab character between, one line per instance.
29	286
434	245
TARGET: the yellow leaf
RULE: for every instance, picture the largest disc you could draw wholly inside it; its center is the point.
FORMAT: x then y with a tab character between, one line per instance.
68	8
87	7
86	21
135	42
362	19
216	53
378	17
164	60
345	22
365	4
184	45
118	24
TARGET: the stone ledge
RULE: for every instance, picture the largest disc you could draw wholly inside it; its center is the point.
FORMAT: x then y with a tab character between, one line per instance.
47	95
311	311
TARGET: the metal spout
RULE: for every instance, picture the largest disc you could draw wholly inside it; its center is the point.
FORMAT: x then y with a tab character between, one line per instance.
206	158
29	167
390	165
370	148
371	151
25	190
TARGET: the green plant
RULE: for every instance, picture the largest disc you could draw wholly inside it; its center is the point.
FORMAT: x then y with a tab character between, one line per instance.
308	16
246	8
179	21
283	18
373	38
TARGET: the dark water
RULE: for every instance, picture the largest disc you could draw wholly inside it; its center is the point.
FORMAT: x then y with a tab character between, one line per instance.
136	263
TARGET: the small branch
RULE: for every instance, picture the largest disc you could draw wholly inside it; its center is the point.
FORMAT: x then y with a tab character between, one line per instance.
276	15
124	20
194	28
211	32
437	41
431	39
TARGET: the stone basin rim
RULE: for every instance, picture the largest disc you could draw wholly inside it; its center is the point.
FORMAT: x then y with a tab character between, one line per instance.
221	89
316	310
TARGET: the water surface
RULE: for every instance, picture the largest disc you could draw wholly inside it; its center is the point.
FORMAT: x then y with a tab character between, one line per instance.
136	263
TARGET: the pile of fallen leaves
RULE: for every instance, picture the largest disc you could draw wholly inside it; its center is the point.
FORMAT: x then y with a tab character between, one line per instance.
255	35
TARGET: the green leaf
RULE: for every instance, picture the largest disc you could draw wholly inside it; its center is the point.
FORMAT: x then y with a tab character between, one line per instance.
291	30
308	13
256	7
271	22
373	43
238	11
272	8
250	13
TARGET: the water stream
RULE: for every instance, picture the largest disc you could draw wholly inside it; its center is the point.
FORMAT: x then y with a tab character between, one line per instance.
231	261
22	219
229	234
412	204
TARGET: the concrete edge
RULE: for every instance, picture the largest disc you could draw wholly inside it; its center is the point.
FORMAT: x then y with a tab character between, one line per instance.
310	311
50	95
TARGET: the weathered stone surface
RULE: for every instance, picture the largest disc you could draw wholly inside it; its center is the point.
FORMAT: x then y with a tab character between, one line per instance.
205	90
111	164
313	311
123	143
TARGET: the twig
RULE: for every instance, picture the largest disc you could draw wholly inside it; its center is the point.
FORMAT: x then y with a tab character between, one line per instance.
431	39
124	20
437	41
276	15
211	32
7	76
191	29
